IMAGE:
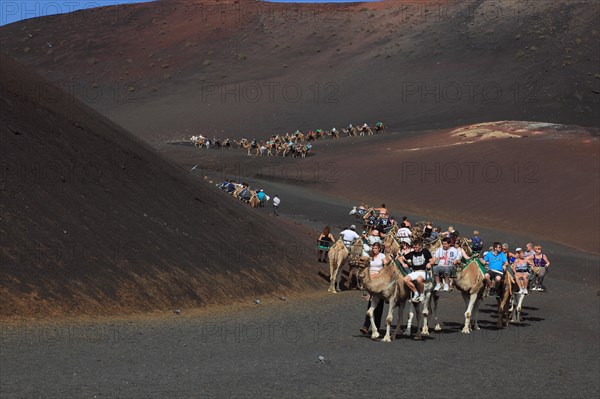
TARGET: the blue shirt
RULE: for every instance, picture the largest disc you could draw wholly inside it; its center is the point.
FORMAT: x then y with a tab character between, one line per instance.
261	195
495	262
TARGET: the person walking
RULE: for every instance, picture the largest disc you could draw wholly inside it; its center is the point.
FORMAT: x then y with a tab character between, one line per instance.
276	202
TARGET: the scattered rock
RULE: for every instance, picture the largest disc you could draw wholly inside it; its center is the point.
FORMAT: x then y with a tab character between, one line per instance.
257	301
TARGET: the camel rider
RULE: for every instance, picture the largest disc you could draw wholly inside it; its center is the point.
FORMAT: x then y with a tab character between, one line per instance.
254	143
383	224
372	238
348	236
261	197
422	261
404	234
372	220
446	258
361	210
496	262
379	124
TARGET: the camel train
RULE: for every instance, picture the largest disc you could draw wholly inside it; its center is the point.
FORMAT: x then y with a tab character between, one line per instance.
291	144
389	283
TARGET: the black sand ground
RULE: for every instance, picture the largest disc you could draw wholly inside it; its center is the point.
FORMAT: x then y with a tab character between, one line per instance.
272	349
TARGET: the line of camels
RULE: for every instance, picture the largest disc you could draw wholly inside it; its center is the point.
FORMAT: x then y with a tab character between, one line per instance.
389	286
290	144
244	193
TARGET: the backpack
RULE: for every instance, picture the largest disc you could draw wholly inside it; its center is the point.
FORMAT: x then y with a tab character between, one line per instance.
476	244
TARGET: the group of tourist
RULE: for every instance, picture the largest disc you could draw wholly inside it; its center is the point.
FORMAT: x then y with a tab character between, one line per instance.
245	193
528	265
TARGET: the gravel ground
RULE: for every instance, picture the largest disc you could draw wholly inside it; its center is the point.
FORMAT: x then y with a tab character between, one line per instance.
273	349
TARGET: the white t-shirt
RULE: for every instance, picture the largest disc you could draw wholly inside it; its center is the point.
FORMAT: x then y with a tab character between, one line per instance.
446	257
404	234
276	201
348	236
377	263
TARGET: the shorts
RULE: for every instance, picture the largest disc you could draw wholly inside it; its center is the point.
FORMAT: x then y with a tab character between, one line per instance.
494	273
413	276
443	270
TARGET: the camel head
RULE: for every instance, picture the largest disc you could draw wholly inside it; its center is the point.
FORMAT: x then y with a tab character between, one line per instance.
363	263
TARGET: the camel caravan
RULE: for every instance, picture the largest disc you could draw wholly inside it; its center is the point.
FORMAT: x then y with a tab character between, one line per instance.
295	144
404	264
243	192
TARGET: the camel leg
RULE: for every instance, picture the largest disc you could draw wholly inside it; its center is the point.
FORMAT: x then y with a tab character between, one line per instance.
398	329
512	311
390	318
333	271
425	329
338	277
419	315
434	310
470	301
500	301
475	313
520	308
374	302
411	316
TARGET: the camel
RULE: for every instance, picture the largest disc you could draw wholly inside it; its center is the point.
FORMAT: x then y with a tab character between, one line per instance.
367	130
254	201
303	150
245	144
391	245
386	285
393	230
354	131
429	304
338	255
505	294
356	251
335	134
434	245
470	282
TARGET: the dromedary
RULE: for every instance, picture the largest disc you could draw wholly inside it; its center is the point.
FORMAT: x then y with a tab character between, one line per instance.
338	255
505	293
245	144
387	285
356	251
254	201
470	282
